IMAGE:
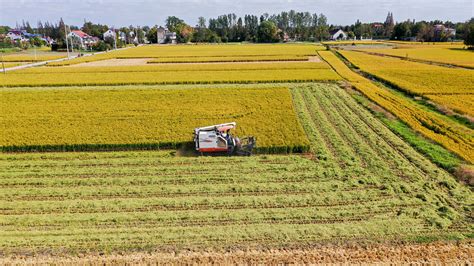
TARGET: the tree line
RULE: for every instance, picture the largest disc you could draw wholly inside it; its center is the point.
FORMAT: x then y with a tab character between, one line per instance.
284	26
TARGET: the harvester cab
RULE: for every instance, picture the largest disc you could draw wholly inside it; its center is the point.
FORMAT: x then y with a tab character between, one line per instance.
218	139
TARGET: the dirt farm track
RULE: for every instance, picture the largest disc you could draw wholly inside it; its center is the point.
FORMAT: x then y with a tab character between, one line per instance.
454	253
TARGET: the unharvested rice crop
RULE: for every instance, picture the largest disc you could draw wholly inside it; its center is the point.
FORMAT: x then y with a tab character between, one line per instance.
30	57
116	118
212	59
447	55
416	78
177	68
170	74
450	134
187	51
363	183
461	103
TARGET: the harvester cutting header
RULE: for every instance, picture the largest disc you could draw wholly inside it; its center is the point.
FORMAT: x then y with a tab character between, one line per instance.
217	139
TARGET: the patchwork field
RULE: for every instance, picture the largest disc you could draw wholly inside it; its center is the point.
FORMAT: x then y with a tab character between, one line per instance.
332	180
126	118
363	182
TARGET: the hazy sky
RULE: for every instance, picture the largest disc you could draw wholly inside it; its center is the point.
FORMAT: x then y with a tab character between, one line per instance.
147	12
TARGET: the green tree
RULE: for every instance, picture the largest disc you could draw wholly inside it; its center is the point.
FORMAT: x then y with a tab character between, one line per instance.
174	23
151	35
469	34
267	32
4	29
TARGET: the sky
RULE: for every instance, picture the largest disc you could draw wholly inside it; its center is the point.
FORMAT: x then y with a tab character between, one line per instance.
119	13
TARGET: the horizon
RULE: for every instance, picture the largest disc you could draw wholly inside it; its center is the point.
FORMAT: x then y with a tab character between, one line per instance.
152	13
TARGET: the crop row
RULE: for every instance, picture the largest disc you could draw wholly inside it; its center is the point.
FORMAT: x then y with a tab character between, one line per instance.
174	68
453	136
214	59
80	119
179	77
30	57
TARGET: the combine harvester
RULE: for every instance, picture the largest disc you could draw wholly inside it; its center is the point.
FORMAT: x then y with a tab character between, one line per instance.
217	139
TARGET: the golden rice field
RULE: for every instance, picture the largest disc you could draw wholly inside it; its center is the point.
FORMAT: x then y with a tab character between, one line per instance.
418	78
350	42
30	57
245	58
452	135
203	74
453	55
131	117
276	51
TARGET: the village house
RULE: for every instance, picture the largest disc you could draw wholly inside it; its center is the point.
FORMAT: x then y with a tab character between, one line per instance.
83	38
337	34
109	34
24	36
122	36
442	32
21	35
165	36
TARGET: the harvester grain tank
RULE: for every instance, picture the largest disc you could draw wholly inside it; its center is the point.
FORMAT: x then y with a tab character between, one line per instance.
217	139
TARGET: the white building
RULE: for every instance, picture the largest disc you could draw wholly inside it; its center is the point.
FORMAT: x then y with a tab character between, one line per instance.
165	36
84	39
337	34
109	34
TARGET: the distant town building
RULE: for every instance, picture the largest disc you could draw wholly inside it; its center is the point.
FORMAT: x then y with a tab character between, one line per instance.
337	34
165	36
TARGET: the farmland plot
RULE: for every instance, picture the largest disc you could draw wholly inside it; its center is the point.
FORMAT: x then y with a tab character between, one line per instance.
207	53
419	78
452	135
453	55
170	74
147	118
363	183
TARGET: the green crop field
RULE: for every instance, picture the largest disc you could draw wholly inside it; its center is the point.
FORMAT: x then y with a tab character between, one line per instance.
362	182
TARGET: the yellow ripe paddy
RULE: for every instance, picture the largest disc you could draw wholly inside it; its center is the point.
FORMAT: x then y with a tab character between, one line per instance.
450	134
453	55
418	78
76	119
276	52
30	57
203	74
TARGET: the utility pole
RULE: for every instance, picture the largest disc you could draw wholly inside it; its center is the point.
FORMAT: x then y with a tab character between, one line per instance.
115	40
3	65
67	45
34	46
72	41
